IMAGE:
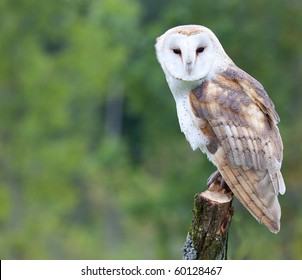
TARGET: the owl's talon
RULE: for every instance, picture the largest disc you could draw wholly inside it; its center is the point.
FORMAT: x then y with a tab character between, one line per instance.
217	178
224	185
214	177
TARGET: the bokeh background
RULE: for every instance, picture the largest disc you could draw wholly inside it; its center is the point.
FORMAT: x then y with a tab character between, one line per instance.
92	162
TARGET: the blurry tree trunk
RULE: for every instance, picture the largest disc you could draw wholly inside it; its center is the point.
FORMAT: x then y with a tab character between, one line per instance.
208	234
114	112
113	126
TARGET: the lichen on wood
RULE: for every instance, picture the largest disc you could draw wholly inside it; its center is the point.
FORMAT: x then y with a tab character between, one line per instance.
208	234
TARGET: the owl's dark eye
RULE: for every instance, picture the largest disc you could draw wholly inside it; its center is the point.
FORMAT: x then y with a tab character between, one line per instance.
177	51
199	50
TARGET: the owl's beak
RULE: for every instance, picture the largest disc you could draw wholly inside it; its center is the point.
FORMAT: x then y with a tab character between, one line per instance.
189	67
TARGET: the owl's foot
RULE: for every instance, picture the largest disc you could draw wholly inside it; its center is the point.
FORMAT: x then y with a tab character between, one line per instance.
216	176
217	179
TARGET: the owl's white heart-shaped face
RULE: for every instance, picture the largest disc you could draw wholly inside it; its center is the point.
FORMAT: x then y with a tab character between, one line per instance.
188	52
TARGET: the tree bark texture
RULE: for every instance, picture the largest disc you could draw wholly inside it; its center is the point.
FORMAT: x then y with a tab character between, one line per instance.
208	234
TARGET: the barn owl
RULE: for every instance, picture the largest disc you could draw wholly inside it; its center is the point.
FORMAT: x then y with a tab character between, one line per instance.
228	115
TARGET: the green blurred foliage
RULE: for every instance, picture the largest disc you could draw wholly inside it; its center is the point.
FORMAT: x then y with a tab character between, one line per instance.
92	162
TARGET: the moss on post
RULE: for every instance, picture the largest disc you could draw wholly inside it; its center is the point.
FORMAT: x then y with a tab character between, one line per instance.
208	234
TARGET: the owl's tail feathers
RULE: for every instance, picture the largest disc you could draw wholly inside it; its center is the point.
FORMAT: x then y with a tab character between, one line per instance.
256	192
278	182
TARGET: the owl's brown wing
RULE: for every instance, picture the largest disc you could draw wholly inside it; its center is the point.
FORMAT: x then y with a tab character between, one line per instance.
239	120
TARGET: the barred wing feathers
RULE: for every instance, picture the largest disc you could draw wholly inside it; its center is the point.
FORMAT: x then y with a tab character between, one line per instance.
239	120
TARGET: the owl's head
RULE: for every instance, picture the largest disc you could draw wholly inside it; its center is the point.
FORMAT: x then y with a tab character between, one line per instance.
189	52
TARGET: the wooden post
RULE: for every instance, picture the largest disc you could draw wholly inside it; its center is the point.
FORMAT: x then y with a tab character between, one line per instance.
208	234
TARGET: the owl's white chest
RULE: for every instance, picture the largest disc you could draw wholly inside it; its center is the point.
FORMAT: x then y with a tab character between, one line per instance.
189	124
